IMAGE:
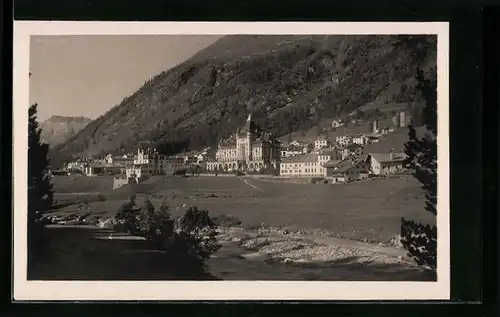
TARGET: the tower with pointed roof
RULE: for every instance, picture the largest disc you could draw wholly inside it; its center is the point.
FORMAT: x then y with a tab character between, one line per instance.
248	149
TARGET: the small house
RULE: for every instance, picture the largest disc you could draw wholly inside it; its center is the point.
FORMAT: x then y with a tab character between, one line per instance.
386	163
337	123
349	170
354	149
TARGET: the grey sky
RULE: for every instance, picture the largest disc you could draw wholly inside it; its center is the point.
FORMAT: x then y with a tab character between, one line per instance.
85	75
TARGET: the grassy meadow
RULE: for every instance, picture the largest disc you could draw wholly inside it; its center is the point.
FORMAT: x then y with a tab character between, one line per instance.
368	210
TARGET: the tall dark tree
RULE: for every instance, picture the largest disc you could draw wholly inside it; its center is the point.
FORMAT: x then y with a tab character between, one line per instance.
418	239
421	240
40	194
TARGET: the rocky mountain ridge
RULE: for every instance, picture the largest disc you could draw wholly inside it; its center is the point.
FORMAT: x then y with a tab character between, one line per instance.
57	129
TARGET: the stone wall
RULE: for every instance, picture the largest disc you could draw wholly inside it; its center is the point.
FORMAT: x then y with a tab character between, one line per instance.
119	182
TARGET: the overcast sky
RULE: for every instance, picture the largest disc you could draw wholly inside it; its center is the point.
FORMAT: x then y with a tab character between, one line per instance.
85	75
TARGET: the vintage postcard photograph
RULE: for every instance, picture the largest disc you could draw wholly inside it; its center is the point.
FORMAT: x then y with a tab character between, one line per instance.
231	161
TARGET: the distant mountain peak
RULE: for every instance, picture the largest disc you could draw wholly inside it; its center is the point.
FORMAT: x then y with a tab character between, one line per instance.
58	129
55	118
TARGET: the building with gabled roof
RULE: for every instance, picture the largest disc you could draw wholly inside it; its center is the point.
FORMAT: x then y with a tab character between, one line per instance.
248	149
352	149
308	164
353	169
386	163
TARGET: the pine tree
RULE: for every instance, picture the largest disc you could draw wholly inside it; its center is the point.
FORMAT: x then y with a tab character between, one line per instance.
147	219
40	194
418	239
126	217
421	240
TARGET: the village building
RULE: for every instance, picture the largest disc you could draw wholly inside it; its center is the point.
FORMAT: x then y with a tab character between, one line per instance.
346	171
372	139
321	142
207	155
343	140
120	160
337	123
386	163
149	162
305	146
360	139
291	150
402	119
352	149
100	169
305	165
309	164
78	165
249	149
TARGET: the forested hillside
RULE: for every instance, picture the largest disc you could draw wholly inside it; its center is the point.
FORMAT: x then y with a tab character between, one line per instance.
288	83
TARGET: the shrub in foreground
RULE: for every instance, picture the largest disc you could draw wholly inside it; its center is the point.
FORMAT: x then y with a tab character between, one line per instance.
420	241
189	240
127	217
226	221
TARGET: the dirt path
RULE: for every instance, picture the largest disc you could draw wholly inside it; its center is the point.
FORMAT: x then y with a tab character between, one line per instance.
250	184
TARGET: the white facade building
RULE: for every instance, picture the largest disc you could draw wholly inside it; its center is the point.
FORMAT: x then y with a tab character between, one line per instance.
321	142
337	123
343	140
249	149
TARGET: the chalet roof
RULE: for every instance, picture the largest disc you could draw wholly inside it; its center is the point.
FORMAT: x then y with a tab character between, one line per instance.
332	163
386	157
327	150
353	146
343	166
300	143
292	148
303	158
100	165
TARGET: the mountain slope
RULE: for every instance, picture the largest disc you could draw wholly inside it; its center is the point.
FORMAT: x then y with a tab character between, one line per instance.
288	83
58	129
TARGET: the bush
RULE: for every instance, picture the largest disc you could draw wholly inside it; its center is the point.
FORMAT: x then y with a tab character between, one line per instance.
127	217
81	200
226	221
157	226
189	240
420	241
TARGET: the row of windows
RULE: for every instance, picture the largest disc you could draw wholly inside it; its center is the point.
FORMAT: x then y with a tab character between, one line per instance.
290	165
305	171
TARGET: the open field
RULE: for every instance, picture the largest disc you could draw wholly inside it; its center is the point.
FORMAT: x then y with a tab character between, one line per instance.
82	184
368	210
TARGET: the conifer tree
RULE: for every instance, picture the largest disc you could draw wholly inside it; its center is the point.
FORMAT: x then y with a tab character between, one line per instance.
421	240
418	239
40	194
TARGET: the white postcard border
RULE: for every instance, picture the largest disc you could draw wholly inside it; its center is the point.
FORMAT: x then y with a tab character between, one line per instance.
222	290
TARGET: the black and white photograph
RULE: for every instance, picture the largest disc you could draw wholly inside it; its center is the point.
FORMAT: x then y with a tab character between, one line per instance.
285	159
